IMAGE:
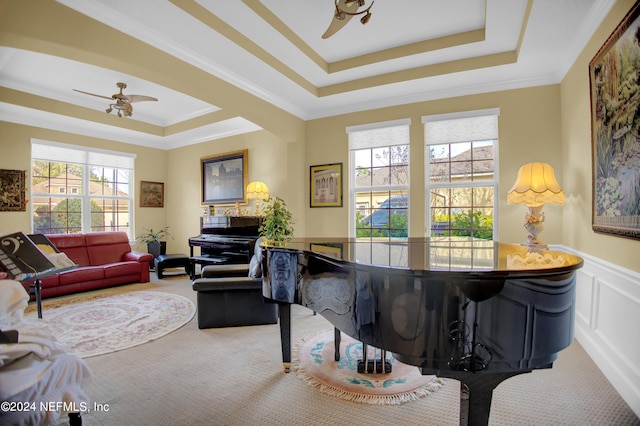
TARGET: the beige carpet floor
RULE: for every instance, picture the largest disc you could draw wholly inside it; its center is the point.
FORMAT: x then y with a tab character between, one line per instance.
234	376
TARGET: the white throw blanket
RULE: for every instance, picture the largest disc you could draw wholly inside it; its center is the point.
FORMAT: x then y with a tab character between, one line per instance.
37	369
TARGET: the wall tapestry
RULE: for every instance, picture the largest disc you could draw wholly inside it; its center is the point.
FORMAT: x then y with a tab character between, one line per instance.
615	120
12	190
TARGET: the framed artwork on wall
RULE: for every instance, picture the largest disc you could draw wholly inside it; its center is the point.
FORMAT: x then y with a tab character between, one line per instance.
224	177
615	130
326	185
12	195
151	194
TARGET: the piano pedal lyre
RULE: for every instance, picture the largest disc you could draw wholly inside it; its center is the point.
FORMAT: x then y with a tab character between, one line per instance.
375	365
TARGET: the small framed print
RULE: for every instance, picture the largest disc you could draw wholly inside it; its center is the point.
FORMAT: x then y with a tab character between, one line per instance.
326	185
151	194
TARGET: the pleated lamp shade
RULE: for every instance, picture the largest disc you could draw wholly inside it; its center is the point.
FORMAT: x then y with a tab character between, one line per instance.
257	190
536	185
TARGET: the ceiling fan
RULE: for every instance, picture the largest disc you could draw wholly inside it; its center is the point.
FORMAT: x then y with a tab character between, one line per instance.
122	102
345	10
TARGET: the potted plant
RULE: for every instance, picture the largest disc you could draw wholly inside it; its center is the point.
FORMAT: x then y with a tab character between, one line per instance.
153	239
277	226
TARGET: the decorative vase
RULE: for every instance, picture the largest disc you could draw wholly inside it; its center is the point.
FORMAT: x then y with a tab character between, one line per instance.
533	223
534	229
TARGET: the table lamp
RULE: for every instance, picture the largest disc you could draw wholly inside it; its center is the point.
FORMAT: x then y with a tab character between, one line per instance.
535	186
258	191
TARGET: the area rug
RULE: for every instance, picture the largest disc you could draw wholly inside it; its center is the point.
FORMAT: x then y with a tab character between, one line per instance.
315	364
93	325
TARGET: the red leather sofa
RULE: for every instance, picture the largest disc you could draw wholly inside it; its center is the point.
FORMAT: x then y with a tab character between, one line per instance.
104	259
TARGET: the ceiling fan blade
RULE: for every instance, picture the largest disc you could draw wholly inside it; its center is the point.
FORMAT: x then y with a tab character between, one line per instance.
139	98
93	94
337	24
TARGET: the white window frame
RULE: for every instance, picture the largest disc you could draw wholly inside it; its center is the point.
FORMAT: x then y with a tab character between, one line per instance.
56	152
352	176
467	184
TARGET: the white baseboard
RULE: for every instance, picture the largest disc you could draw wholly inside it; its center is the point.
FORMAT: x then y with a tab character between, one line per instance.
608	322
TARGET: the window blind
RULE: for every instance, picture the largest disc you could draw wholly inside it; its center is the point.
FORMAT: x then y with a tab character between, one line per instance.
66	153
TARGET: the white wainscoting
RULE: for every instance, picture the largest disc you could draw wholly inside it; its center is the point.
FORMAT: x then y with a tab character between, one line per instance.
608	322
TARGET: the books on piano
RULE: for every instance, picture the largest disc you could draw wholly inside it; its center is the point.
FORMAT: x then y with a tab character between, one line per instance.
25	259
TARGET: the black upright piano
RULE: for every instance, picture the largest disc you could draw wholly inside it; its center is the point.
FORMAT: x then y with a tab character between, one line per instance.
224	239
475	311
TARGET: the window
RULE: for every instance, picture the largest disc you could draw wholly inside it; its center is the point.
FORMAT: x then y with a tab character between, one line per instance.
461	183
78	189
379	175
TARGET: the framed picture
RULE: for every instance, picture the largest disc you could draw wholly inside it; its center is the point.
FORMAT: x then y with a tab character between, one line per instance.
613	74
151	194
326	185
224	177
12	196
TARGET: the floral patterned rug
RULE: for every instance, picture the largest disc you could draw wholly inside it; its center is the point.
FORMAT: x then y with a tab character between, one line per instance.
93	325
315	364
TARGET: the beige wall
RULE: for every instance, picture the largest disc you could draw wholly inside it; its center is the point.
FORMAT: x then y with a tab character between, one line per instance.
529	130
577	171
267	163
179	169
284	166
548	123
15	146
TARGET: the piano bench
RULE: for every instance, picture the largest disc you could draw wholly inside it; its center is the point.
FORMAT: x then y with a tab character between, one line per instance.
172	261
232	302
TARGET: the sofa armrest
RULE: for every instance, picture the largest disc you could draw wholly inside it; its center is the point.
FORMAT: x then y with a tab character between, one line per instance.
137	256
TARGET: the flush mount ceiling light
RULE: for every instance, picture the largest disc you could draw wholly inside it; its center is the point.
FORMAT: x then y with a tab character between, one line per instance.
345	10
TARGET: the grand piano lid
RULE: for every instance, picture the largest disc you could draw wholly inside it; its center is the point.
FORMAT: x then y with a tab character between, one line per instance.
452	254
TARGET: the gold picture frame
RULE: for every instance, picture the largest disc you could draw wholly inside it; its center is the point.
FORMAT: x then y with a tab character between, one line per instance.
151	194
13	194
325	185
224	177
614	126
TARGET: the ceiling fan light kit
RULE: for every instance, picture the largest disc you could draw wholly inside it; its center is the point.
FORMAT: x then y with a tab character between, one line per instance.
345	9
341	13
122	102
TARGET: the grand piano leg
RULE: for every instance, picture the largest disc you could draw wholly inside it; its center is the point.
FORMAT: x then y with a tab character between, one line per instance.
476	392
284	313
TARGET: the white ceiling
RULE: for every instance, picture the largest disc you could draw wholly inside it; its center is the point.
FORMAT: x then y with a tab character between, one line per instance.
274	50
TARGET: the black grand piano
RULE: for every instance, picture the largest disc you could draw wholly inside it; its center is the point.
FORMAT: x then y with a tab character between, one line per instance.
472	310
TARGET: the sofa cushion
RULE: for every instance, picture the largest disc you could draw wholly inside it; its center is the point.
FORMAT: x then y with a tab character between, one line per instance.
89	273
255	269
73	245
255	265
121	268
107	247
